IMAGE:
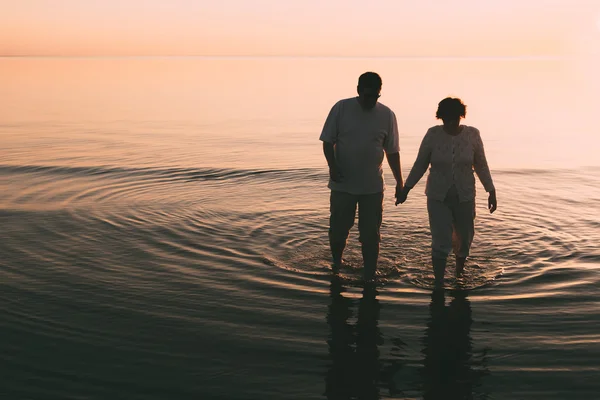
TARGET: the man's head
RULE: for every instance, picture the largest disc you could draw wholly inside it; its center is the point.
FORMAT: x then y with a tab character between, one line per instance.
369	88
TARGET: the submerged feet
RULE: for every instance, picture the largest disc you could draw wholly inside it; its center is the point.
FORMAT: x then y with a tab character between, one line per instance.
336	266
460	266
439	268
370	266
368	272
370	253
337	249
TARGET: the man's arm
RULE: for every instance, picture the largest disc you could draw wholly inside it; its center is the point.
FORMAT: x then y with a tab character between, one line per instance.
391	146
329	152
329	137
394	162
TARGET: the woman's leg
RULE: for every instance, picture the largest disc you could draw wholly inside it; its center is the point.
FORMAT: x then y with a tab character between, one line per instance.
463	231
440	224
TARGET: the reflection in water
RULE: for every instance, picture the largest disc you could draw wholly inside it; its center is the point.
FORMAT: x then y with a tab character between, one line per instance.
450	369
338	380
355	369
368	338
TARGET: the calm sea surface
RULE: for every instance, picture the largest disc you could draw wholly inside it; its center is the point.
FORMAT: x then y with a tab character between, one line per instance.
164	235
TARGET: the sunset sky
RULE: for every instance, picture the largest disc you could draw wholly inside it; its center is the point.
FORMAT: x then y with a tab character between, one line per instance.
512	28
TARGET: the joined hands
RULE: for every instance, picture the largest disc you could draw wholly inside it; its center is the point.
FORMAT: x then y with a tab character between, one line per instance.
401	193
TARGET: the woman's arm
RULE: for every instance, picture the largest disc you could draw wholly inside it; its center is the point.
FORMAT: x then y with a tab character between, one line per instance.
421	163
483	172
480	164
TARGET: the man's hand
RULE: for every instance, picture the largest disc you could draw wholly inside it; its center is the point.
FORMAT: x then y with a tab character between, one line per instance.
492	202
401	194
335	174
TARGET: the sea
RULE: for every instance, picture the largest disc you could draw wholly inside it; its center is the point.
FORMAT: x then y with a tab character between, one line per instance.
163	234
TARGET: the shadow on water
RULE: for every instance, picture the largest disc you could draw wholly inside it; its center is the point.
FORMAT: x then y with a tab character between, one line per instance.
451	370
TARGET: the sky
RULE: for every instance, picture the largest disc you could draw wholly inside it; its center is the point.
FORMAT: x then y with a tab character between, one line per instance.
438	28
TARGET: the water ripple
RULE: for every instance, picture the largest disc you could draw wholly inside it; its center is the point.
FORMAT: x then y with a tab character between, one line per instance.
140	264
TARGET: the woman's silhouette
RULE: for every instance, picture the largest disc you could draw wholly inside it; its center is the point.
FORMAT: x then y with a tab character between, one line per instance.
454	152
450	371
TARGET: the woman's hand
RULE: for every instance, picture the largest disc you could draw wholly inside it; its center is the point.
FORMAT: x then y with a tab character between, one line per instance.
492	202
401	194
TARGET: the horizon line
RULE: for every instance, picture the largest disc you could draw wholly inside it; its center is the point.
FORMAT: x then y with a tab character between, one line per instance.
259	56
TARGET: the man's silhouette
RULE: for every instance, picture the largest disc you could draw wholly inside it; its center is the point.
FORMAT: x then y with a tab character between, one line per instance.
356	135
355	371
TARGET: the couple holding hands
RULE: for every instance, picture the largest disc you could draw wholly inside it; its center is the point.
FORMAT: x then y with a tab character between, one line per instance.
356	135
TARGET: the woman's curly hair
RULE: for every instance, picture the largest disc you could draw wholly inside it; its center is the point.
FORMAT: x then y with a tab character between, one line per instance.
451	108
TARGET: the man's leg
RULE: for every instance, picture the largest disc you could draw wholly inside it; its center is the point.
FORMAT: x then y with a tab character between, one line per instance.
342	207
440	224
370	214
463	215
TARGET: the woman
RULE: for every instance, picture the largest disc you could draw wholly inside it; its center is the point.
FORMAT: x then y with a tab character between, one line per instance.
453	151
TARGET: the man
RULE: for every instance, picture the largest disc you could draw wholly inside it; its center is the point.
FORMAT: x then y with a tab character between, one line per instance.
355	136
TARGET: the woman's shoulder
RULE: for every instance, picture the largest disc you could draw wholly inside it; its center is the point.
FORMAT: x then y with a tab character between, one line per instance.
470	133
471	129
436	129
435	132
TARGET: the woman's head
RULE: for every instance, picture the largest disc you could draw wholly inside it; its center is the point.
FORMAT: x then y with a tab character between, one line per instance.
451	109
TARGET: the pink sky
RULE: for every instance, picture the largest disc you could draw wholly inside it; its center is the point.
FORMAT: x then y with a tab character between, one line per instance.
295	27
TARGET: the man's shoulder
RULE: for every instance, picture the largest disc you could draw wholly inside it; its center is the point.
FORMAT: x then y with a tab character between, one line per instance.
343	102
383	108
